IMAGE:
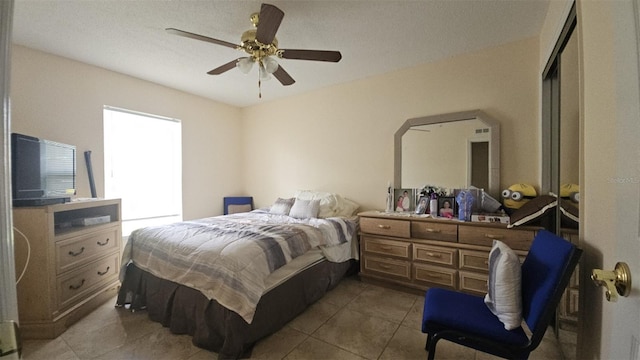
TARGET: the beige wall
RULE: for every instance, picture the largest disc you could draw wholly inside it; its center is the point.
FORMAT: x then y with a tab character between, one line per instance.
341	138
62	100
336	139
550	32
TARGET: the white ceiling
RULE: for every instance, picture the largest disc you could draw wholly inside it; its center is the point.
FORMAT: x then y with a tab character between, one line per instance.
374	37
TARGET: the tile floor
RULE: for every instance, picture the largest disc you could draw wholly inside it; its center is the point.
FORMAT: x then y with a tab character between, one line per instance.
353	321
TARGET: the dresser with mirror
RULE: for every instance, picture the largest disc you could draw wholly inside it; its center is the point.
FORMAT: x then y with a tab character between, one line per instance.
414	252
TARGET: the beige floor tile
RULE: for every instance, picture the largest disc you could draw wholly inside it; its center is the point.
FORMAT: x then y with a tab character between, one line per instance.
345	292
345	324
406	343
414	316
388	304
316	315
100	340
56	349
446	350
314	349
278	345
158	345
358	333
204	355
567	341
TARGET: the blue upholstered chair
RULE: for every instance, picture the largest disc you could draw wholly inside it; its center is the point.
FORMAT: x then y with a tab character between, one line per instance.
235	204
466	320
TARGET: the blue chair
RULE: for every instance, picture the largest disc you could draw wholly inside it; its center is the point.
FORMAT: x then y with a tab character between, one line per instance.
234	204
466	320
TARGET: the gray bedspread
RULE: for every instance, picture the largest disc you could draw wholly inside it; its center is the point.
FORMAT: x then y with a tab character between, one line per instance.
228	258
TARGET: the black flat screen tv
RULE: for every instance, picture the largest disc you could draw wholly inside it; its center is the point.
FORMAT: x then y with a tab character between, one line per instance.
43	172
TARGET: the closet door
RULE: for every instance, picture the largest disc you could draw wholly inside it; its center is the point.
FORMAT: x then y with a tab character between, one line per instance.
561	163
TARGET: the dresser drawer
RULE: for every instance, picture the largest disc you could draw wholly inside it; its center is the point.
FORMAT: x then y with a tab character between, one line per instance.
387	227
480	235
387	267
434	276
386	247
474	260
434	231
83	249
84	280
435	255
473	282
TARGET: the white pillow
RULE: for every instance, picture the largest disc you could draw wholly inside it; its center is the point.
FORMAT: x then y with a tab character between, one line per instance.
346	207
331	205
504	297
305	209
282	206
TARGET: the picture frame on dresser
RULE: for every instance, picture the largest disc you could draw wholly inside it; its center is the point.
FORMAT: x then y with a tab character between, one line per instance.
423	205
404	199
447	206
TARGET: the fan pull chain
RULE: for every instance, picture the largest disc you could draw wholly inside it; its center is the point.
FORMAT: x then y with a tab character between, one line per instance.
259	88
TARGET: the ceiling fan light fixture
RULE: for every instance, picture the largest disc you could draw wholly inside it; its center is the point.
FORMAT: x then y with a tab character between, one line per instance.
264	74
245	65
270	64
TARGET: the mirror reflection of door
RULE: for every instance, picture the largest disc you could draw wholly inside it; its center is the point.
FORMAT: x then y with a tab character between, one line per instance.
569	173
479	171
561	154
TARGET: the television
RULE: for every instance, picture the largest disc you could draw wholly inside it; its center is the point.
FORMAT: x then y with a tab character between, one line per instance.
43	172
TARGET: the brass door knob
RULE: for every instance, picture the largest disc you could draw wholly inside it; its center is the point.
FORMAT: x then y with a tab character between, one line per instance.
617	282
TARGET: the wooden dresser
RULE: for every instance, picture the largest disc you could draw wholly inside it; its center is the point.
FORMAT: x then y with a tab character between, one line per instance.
73	264
416	253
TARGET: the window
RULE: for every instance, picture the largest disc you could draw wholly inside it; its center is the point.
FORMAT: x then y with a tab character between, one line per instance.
143	167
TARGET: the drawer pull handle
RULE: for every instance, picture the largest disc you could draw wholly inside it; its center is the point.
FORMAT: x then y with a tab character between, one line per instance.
435	276
433	231
434	255
387	267
386	247
76	287
105	272
102	243
77	253
387	227
492	236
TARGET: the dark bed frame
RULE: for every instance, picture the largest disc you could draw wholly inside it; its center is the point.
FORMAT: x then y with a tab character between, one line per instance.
187	311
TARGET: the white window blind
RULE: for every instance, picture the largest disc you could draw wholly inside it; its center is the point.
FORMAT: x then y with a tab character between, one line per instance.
143	167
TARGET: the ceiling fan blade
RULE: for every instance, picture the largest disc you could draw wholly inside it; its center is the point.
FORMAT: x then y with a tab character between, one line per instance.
283	76
270	19
226	67
200	37
317	55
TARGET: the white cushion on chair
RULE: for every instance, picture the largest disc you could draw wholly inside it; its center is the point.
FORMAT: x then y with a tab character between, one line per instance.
234	208
504	297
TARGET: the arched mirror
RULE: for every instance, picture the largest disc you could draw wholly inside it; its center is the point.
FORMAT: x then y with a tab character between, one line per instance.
455	150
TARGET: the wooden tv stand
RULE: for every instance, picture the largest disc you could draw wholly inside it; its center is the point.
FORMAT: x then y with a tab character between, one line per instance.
71	269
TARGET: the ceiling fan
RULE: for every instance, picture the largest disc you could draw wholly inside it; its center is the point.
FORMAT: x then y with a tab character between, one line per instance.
262	47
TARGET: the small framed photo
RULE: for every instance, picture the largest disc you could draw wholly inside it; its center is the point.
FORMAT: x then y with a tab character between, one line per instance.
404	199
446	206
422	205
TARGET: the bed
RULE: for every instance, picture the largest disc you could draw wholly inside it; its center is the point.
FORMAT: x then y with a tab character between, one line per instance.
229	281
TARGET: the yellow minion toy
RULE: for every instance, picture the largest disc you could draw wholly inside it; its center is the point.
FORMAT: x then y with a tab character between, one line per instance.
517	195
570	191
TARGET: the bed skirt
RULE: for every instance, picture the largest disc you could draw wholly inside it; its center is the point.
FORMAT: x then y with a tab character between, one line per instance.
213	327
